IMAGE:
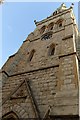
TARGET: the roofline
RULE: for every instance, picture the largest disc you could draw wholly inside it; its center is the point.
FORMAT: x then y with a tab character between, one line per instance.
52	17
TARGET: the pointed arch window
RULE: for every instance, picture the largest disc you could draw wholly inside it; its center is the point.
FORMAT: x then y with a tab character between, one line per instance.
60	23
31	55
42	29
51	49
50	26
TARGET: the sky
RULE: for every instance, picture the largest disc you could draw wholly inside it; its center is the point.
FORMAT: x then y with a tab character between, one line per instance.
17	21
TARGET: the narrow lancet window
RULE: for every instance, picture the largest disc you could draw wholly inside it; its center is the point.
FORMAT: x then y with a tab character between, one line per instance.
51	49
31	55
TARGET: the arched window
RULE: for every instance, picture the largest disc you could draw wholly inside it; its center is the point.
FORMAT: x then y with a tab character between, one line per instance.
10	116
50	26
60	23
31	55
42	29
51	49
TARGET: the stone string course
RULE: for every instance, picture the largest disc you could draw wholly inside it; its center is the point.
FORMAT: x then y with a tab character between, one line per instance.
53	80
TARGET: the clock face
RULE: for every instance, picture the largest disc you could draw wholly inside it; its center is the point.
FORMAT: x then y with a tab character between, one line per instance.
46	36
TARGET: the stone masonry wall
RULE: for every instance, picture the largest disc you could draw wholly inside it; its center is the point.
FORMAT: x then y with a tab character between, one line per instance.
43	85
53	79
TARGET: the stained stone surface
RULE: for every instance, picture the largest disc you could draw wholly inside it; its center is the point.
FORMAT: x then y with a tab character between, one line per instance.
50	81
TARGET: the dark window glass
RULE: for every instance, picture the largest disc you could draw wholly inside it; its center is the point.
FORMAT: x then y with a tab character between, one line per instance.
31	55
52	50
42	29
46	36
50	26
60	24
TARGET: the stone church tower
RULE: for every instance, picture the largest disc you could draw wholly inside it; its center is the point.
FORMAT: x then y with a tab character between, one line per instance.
42	79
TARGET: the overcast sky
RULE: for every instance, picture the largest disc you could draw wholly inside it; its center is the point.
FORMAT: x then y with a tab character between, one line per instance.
18	21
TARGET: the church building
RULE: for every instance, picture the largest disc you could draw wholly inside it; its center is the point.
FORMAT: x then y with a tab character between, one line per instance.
41	81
